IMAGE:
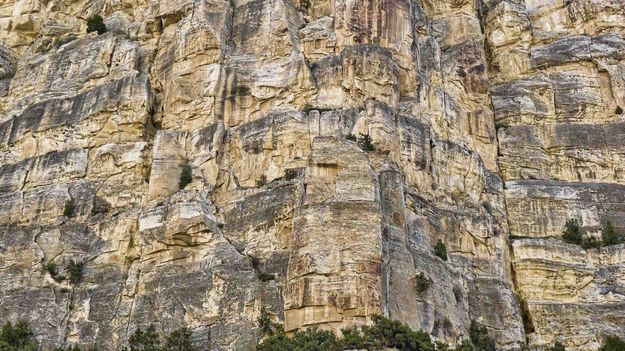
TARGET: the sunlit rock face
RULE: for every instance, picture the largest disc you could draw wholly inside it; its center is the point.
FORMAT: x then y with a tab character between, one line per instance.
202	158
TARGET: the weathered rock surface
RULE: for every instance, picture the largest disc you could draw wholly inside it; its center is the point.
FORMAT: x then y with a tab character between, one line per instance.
493	121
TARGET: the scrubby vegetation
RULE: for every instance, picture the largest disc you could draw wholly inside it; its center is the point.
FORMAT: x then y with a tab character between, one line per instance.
18	337
100	205
557	347
179	340
267	326
480	338
290	174
364	141
262	181
572	234
619	110
53	270
95	23
74	271
384	333
70	208
440	250
262	276
148	340
612	343
423	282
185	176
610	236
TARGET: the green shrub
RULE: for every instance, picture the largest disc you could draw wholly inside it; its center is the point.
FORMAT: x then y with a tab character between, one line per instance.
290	174
609	235
384	333
53	270
619	110
144	341
423	282
95	23
390	333
612	343
572	232
265	277
185	176
74	271
179	340
262	181
440	250
70	208
557	347
364	141
267	326
311	339
18	337
100	205
591	243
68	348
480	338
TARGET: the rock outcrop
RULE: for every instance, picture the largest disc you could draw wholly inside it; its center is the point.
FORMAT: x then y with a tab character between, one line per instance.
205	159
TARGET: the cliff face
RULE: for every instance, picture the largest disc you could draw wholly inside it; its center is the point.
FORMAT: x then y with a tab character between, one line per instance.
493	121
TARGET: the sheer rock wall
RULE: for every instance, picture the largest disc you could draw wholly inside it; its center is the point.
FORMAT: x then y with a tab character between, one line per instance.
493	122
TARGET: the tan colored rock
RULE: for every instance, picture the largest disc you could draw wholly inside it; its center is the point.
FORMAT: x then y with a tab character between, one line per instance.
491	123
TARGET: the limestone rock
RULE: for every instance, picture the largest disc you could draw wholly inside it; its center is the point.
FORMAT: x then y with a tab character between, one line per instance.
325	147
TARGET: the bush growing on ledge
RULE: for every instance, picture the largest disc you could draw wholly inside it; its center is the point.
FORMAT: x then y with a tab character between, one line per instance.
609	235
74	270
572	233
612	343
70	208
262	181
384	333
185	176
95	23
68	348
364	141
179	340
100	205
591	243
557	347
440	250
290	174
144	341
619	110
267	326
480	338
18	337
53	270
423	282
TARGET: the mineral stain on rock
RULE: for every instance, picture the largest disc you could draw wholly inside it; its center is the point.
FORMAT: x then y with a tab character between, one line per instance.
492	123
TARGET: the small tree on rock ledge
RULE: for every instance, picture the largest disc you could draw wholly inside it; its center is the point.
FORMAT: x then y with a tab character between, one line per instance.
572	232
95	23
